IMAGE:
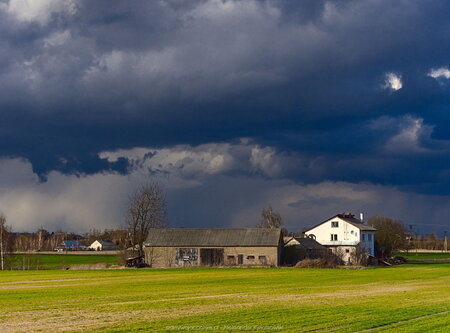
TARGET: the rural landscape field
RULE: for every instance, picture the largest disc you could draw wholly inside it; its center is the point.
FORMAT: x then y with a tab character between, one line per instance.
409	298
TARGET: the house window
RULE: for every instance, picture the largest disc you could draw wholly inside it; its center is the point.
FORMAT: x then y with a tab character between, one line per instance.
262	257
335	224
334	237
250	257
347	250
352	232
369	237
363	237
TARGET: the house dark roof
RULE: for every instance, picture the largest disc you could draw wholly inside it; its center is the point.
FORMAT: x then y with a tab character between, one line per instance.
106	243
309	243
306	243
357	223
214	237
350	218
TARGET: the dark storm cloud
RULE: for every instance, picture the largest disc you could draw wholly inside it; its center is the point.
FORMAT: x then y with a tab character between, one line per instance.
308	77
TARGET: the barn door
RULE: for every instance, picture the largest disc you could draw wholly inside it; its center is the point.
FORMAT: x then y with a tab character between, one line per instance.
211	257
240	259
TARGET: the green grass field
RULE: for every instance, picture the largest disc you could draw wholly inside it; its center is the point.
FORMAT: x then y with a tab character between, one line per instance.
60	261
409	298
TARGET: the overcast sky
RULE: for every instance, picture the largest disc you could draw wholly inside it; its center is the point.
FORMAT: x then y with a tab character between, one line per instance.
314	107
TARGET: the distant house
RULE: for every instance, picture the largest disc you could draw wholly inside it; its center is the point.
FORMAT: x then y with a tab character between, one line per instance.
102	245
343	233
299	248
175	247
70	245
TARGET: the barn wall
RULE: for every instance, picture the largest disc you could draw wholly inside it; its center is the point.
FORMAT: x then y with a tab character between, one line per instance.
167	256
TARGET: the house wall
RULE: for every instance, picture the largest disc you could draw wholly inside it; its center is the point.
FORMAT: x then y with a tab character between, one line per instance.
96	246
344	252
347	234
368	241
167	256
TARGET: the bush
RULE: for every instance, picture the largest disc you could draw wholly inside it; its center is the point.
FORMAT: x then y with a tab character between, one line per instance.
328	261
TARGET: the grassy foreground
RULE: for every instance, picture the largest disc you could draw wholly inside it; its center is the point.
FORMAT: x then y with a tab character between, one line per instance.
410	298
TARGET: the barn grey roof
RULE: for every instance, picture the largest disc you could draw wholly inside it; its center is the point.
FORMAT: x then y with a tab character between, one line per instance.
213	237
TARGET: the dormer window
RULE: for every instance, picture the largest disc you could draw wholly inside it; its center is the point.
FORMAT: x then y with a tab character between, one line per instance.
335	224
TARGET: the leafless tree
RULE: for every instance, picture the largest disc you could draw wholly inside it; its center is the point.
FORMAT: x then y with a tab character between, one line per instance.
390	235
2	227
269	219
146	210
5	241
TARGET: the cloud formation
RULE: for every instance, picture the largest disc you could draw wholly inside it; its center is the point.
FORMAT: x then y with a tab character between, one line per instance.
201	192
168	88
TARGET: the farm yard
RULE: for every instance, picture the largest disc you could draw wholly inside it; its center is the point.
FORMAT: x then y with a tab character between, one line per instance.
408	298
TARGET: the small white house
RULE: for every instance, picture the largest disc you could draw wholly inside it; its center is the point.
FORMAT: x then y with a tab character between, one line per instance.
344	233
100	245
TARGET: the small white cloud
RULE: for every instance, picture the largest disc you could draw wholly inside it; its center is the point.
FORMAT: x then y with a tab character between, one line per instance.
393	81
440	72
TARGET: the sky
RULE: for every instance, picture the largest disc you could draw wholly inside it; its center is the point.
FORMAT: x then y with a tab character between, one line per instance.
313	107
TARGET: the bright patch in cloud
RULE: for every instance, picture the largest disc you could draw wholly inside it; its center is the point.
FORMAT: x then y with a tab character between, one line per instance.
393	81
439	73
39	10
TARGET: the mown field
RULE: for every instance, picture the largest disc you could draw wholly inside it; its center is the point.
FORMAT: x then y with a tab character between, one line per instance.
409	298
60	261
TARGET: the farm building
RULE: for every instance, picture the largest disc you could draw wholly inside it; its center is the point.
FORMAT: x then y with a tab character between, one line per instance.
101	245
299	248
70	245
175	247
344	234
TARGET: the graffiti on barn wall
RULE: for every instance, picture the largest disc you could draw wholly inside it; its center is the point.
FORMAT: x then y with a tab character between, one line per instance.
186	256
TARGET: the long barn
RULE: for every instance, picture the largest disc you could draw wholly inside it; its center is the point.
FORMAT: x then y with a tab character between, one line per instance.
178	247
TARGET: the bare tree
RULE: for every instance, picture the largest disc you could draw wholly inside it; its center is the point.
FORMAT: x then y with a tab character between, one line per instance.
390	235
2	227
270	219
146	210
5	241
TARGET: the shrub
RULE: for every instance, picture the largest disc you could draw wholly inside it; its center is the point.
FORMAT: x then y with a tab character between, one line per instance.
328	261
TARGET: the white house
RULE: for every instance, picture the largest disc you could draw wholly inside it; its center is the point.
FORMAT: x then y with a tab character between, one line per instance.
343	233
100	245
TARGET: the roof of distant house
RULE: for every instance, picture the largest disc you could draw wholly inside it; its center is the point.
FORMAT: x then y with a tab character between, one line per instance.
106	243
72	243
214	237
